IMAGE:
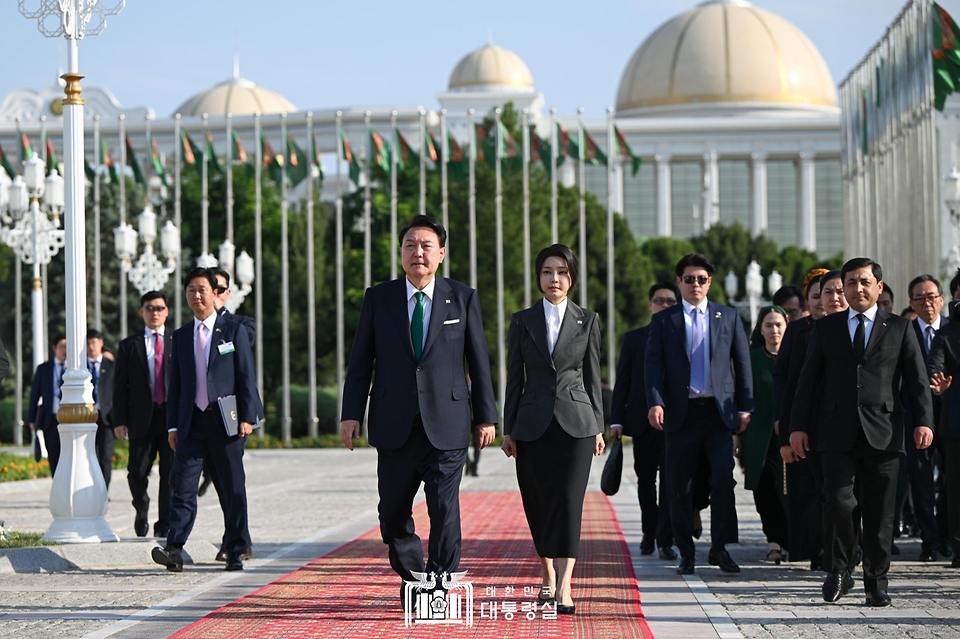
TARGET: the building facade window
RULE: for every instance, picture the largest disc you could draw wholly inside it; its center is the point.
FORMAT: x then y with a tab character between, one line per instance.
687	190
735	193
829	184
782	204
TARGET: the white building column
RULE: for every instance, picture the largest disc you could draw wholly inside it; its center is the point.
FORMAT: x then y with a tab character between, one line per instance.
807	222
664	196
710	204
759	218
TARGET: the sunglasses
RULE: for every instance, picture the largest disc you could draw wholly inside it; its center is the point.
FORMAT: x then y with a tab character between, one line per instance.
663	301
221	290
154	309
699	279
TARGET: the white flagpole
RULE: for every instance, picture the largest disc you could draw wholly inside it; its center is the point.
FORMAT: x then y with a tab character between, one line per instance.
97	274
18	337
611	283
394	150
122	173
583	211
312	423
205	197
554	154
367	240
229	231
258	250
285	283
527	290
472	199
423	163
177	169
501	346
339	275
443	187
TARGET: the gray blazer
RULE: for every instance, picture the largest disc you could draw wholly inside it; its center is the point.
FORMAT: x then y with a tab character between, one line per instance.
565	385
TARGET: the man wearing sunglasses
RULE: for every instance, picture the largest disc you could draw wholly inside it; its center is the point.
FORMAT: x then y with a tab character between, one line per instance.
699	401
140	410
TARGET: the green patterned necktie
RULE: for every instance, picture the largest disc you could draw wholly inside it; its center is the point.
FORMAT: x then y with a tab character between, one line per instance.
416	326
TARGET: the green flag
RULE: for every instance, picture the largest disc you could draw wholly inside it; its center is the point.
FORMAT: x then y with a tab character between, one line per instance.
134	164
5	163
52	161
379	152
457	163
297	164
592	152
188	149
211	153
502	146
26	149
406	155
430	147
946	58
157	163
107	161
540	150
622	148
315	154
273	163
238	153
564	144
88	171
347	154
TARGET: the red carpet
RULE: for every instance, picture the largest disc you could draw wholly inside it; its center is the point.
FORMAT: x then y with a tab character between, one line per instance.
352	592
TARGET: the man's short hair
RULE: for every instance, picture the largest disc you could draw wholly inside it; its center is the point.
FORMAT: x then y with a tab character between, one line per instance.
863	262
830	275
694	259
57	338
787	293
564	253
920	279
93	333
219	272
665	285
908	309
149	296
426	222
199	272
888	291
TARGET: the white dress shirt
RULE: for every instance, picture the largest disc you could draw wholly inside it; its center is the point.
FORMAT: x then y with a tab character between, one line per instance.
923	331
151	344
427	304
870	316
688	323
209	322
553	313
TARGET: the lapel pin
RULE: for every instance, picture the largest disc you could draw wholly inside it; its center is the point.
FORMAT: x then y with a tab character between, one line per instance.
717	316
579	321
448	301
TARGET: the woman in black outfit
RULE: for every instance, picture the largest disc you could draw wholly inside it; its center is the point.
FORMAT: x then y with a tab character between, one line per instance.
553	416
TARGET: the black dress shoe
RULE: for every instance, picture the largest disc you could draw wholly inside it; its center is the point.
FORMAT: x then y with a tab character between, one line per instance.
928	555
723	559
566	610
545	595
141	526
161	530
686	566
233	561
816	564
647	546
832	588
222	553
168	556
956	561
878	598
667	553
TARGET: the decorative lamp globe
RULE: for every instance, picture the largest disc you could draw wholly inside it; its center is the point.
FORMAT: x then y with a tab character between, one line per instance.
125	241
18	198
731	285
170	240
33	174
245	273
53	191
147	221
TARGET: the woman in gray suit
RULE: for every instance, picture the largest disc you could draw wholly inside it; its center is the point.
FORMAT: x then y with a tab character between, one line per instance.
553	416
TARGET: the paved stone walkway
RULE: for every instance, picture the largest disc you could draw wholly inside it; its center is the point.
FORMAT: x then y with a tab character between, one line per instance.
304	503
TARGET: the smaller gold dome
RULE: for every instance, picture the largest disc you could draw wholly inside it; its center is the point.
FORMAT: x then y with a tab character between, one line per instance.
491	65
237	96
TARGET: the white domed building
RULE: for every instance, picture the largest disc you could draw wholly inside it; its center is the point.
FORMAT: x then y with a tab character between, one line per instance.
490	77
237	96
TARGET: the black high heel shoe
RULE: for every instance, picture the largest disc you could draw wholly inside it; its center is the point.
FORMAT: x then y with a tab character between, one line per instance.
566	610
546	595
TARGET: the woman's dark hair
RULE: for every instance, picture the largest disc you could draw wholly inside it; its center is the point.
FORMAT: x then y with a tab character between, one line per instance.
830	275
564	253
756	337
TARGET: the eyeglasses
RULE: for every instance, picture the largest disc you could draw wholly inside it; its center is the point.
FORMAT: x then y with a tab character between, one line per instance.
154	309
923	299
663	301
699	279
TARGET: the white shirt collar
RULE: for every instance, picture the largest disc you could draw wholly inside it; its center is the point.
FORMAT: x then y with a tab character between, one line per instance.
427	290
550	308
209	322
96	359
687	306
147	331
924	325
870	313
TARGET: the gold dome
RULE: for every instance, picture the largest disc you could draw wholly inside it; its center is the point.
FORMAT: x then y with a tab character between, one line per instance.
725	51
237	96
491	65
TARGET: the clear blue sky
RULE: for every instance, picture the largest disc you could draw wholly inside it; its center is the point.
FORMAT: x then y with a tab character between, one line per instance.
328	53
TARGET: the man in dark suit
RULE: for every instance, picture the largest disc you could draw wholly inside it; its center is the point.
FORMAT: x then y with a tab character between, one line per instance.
101	375
628	416
211	359
943	366
859	360
699	401
222	296
140	409
412	339
45	396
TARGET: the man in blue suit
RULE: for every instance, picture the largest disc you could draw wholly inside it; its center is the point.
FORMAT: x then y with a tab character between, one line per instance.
699	402
47	382
211	359
412	339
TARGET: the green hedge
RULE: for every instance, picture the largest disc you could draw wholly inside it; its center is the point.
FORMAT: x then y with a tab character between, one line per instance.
300	408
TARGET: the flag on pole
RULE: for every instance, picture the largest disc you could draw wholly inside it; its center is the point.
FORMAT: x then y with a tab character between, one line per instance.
107	161
315	154
430	147
188	148
591	152
273	163
239	154
379	153
134	164
26	149
297	163
52	161
5	163
457	163
211	154
563	143
946	57
622	148
157	163
88	171
539	149
501	146
407	154
347	154
479	140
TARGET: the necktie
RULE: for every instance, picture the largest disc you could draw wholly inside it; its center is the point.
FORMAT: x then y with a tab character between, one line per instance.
553	328
930	333
92	366
159	392
59	380
859	337
200	363
416	326
697	355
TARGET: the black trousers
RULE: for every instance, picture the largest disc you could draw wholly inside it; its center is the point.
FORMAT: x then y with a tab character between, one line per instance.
876	472
143	452
208	437
920	474
769	499
222	497
400	473
647	463
552	473
105	447
51	439
803	507
702	430
953	497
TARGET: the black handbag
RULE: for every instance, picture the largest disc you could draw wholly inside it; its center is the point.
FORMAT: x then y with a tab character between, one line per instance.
612	468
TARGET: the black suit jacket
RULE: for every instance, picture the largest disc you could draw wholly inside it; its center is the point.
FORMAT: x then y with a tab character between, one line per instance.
105	393
795	360
42	388
862	393
132	390
781	367
945	358
629	393
227	374
4	361
565	385
383	353
248	323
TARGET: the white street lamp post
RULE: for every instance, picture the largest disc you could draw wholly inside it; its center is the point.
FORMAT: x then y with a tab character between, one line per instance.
78	497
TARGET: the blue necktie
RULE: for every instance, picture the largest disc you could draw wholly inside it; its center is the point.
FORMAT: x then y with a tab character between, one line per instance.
96	378
697	354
